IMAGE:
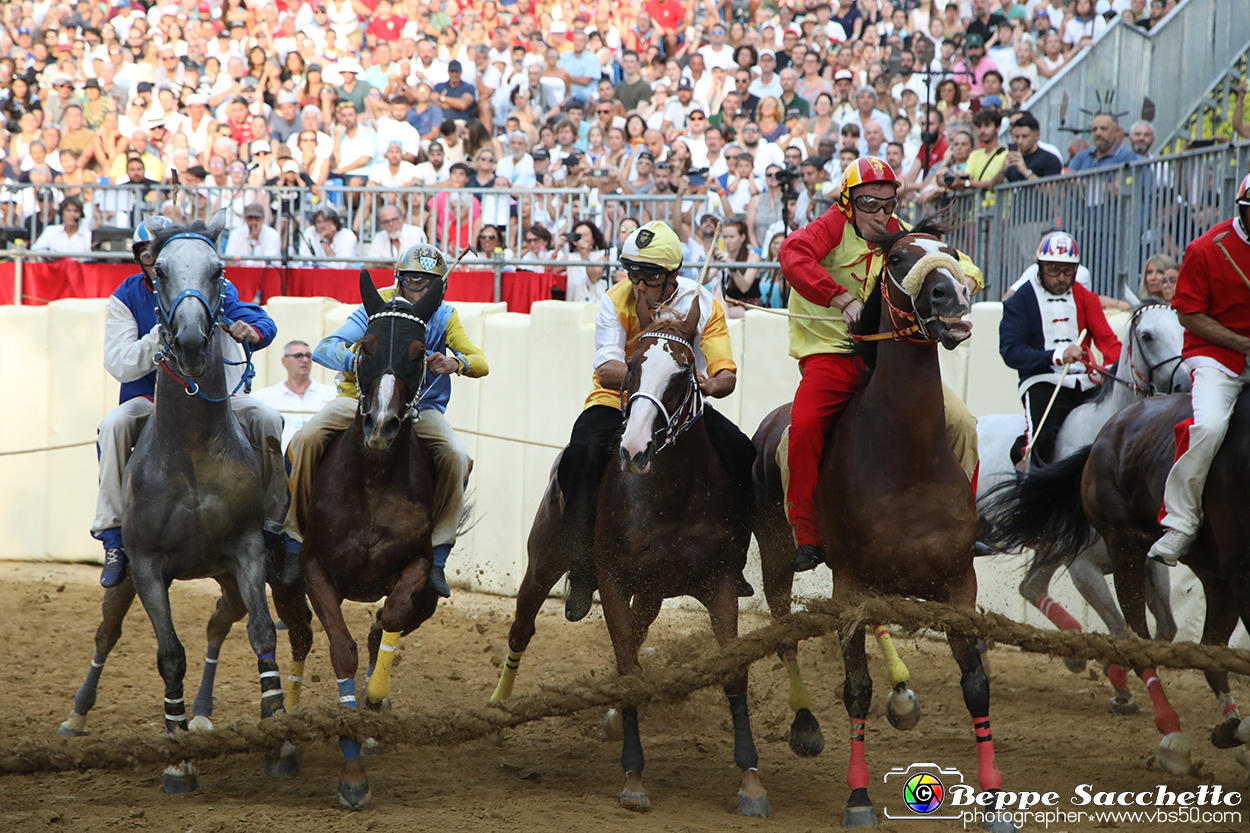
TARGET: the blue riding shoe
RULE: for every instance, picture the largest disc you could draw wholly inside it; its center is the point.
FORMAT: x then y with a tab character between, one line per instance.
807	557
114	572
438	582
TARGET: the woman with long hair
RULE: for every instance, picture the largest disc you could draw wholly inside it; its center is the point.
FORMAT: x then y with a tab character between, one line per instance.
586	283
774	288
735	35
746	57
1158	279
108	144
317	167
771	119
1053	57
236	11
740	284
313	85
949	102
821	123
21	101
764	208
293	69
536	247
596	146
479	137
679	158
618	157
1026	63
21	139
654	109
635	127
527	115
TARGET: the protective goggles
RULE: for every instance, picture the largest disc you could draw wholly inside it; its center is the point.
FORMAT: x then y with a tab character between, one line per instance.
871	205
644	273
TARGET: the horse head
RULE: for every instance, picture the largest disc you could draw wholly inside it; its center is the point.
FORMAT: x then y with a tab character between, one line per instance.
187	268
390	361
1152	351
923	274
661	393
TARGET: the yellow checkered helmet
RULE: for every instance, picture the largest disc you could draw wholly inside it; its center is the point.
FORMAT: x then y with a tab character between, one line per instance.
654	249
421	260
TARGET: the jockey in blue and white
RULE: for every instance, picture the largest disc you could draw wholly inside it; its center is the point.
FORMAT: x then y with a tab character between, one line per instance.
131	342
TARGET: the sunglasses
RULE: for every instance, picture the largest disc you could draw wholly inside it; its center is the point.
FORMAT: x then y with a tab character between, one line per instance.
298	356
1054	270
646	275
871	205
531	240
698	118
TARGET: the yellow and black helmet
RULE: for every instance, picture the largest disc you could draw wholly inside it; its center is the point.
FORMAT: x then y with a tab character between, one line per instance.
421	261
653	248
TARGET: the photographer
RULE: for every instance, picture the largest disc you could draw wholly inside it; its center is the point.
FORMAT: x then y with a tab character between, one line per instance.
288	195
585	283
951	176
765	208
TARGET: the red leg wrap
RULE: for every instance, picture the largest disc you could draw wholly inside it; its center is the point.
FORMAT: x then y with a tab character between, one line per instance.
1166	719
857	770
1117	676
1054	611
988	776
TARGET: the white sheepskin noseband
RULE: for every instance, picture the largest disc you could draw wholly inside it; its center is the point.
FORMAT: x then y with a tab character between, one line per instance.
921	269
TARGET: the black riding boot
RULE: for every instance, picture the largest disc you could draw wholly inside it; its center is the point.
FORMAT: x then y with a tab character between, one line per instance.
579	476
737	453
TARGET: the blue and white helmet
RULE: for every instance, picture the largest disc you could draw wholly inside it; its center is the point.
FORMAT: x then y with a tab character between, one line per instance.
145	230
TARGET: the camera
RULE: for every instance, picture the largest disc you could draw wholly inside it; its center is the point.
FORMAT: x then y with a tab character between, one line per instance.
697	176
599	172
788	175
572	160
571	236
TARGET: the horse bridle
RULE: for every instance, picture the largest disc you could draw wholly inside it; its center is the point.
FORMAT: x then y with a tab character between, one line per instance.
216	314
917	325
1142	384
411	411
687	412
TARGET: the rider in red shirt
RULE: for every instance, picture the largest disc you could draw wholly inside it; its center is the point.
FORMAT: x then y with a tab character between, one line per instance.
1213	301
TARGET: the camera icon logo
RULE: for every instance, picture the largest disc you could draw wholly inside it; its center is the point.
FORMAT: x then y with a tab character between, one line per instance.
923	788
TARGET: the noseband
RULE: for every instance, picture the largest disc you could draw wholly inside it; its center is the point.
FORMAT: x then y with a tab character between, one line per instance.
1142	384
914	278
216	314
411	411
687	412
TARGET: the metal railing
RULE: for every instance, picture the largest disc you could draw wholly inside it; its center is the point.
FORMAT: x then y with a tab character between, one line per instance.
1119	216
448	217
1176	65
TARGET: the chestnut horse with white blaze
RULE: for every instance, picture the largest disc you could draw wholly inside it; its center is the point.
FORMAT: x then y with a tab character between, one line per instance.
895	506
665	528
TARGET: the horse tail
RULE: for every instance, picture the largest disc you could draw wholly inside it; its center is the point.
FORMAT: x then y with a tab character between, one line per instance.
1042	510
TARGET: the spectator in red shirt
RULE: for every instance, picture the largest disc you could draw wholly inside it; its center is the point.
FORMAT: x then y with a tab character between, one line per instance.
668	16
385	25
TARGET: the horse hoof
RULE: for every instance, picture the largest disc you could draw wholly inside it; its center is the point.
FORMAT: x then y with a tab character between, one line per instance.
612	728
636	802
806	739
1076	666
354	796
999	823
200	723
282	763
755	807
1224	736
181	779
370	747
74	726
1124	708
1174	754
865	816
902	708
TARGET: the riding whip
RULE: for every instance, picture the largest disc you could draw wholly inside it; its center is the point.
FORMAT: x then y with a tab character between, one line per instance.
1028	452
1219	244
708	262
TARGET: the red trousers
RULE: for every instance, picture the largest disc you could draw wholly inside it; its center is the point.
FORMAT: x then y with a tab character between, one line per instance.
829	381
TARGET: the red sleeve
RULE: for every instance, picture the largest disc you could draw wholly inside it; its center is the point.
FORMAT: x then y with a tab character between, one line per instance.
801	254
1193	284
1098	330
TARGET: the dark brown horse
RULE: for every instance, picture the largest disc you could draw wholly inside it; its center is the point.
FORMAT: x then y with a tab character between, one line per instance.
368	534
664	528
1116	486
896	509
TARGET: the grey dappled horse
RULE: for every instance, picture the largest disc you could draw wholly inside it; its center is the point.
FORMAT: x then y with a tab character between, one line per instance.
1150	363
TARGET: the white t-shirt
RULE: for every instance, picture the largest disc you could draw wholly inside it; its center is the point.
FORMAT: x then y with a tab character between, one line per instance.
382	175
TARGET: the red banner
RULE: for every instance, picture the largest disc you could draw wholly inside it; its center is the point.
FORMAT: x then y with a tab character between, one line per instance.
45	282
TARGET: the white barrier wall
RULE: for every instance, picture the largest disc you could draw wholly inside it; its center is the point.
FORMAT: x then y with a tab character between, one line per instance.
56	392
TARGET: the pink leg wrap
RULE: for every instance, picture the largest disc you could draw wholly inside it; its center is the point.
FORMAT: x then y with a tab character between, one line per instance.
1117	676
1054	611
988	776
1166	720
857	769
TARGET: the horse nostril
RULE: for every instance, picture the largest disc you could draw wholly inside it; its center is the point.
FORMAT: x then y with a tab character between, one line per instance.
940	291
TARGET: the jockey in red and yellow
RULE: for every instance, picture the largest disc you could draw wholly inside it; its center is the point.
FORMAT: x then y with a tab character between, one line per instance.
834	263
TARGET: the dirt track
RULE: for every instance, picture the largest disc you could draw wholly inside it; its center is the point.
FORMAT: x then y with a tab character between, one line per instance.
1052	730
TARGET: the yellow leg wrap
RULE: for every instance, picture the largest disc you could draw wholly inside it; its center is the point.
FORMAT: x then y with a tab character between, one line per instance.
504	690
800	698
380	682
295	684
898	671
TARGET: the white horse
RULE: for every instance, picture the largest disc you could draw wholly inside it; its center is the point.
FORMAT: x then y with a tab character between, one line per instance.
1150	363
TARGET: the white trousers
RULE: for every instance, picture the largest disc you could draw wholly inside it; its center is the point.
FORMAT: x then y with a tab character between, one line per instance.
452	465
1214	395
120	429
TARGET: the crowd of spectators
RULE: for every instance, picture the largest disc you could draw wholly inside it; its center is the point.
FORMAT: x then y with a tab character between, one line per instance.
688	111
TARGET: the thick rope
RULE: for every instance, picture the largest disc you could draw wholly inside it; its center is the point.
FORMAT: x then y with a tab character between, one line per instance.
655	685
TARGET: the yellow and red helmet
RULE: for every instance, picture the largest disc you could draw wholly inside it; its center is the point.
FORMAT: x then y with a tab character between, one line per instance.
864	170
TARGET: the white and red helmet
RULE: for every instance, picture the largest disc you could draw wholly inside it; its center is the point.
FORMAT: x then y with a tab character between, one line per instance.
1058	247
1243	191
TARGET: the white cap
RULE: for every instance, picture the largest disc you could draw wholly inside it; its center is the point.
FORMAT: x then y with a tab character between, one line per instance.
196	98
261	146
348	65
290	166
287	97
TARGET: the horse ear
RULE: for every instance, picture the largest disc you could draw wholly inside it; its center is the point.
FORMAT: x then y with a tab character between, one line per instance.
691	324
428	303
644	314
369	294
217	224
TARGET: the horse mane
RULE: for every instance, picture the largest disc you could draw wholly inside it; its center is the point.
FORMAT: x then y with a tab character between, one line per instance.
163	235
670	324
1108	386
